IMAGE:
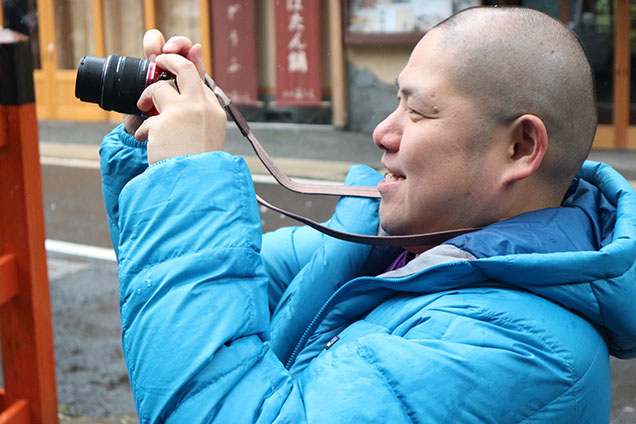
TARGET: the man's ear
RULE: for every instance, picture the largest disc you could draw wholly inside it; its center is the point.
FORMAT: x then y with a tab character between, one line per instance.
527	145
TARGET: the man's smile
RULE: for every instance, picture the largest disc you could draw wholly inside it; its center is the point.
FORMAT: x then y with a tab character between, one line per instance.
391	177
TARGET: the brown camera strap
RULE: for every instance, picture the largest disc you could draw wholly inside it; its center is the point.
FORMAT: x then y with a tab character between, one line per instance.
424	241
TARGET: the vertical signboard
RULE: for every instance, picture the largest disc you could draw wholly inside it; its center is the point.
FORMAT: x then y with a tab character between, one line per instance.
234	49
298	68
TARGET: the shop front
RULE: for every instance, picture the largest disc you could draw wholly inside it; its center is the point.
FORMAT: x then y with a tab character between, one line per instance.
308	61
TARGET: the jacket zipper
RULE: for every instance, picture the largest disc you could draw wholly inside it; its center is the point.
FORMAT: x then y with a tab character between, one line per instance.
379	282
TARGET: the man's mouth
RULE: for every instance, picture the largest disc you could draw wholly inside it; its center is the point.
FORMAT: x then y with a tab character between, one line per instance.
391	177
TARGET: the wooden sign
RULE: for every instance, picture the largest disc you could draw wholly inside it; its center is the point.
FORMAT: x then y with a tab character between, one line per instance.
298	67
234	49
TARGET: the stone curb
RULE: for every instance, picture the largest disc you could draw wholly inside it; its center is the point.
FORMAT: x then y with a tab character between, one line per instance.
293	167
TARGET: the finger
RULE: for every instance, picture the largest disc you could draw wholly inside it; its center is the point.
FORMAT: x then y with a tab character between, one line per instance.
195	55
132	122
142	132
187	75
153	44
157	95
178	45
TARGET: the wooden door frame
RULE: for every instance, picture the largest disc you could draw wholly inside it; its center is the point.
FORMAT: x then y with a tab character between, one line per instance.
619	134
622	72
55	87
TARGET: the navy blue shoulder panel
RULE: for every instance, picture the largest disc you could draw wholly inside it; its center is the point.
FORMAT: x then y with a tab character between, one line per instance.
583	222
561	229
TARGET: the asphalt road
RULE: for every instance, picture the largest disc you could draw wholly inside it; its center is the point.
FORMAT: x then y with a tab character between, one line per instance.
91	373
74	208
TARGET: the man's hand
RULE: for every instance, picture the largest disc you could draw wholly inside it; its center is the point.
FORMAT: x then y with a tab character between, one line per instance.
190	119
155	44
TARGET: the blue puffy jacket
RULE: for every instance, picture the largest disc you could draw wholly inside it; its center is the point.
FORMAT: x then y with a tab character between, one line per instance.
509	324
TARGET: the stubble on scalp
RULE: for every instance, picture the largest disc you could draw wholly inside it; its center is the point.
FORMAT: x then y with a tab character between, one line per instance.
515	61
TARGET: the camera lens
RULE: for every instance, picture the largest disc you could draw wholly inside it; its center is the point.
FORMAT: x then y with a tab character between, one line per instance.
115	82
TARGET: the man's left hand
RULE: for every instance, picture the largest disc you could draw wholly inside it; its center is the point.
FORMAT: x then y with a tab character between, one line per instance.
190	119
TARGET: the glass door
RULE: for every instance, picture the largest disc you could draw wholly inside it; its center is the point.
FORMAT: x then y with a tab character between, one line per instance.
605	30
70	29
76	25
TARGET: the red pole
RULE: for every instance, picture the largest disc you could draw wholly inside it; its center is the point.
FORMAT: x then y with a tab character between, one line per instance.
26	330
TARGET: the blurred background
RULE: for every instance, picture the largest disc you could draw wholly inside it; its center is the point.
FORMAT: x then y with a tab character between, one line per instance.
330	62
313	77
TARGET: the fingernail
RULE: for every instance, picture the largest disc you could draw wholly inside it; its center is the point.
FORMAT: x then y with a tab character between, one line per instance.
169	46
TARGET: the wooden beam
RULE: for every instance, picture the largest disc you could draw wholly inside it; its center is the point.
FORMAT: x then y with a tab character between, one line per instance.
150	16
17	413
48	59
621	71
204	33
565	11
98	28
26	329
8	278
337	65
4	129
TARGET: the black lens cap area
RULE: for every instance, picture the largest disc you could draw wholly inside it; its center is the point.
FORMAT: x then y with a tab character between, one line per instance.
89	76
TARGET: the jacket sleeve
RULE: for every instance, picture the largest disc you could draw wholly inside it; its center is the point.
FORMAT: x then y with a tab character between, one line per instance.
285	252
193	295
122	158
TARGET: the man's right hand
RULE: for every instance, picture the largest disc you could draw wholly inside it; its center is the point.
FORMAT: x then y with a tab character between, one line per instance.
155	44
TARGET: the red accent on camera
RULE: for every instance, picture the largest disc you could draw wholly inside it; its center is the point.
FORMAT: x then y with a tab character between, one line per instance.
153	74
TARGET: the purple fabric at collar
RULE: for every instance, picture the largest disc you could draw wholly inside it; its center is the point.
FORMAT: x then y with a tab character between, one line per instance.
399	262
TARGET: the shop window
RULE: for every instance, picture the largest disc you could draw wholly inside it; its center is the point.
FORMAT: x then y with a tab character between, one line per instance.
124	27
74	32
179	17
396	21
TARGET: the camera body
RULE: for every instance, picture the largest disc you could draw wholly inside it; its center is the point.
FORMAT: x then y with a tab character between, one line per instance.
115	82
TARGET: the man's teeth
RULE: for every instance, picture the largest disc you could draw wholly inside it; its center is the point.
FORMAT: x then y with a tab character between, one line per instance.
392	177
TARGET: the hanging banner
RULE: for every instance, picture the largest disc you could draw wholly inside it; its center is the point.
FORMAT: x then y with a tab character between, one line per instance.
234	49
298	68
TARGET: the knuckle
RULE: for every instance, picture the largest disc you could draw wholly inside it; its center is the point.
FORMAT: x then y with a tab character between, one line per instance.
181	39
185	65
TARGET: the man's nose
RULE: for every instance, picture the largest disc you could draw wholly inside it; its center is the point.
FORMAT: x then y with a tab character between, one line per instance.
387	134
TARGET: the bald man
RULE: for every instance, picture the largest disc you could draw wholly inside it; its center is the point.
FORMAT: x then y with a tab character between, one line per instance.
512	323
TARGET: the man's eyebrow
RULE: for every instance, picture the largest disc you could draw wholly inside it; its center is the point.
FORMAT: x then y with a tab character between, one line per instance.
413	93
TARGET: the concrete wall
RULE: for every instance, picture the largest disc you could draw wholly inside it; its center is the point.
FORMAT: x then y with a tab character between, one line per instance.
372	90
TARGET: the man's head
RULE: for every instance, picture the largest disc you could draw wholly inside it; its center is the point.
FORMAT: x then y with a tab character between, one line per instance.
496	114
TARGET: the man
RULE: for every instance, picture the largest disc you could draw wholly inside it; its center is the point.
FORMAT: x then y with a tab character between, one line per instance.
511	323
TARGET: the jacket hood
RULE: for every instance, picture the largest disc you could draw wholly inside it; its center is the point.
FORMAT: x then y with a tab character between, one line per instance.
580	255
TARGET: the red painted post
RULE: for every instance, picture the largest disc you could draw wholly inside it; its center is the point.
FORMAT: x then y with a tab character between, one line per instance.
26	330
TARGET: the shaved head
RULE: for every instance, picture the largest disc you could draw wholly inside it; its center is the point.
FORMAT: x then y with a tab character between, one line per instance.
517	61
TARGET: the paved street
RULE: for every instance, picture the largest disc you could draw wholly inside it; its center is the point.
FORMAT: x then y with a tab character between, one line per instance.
91	373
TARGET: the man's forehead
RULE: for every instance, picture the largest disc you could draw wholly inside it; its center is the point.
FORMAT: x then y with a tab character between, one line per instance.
420	85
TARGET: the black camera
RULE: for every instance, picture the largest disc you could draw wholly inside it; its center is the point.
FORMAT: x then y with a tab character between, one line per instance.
115	82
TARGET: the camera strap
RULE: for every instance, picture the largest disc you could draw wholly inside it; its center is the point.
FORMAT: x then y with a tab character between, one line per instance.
424	241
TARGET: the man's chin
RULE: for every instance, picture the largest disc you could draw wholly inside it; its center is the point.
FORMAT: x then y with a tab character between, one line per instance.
387	229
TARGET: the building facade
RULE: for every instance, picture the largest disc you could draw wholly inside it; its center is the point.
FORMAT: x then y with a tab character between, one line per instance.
308	61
